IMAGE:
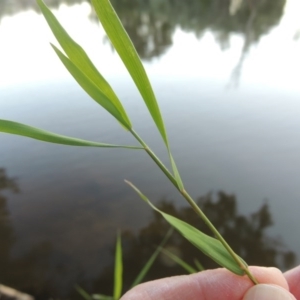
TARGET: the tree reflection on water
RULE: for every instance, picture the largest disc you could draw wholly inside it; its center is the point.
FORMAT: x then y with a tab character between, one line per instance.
151	24
38	272
32	271
6	231
246	234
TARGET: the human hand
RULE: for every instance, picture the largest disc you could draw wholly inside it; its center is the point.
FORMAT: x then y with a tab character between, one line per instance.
221	284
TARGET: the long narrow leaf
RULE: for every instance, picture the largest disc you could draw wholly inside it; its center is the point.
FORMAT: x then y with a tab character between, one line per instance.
123	45
179	261
208	245
127	52
118	276
47	136
79	58
198	265
85	295
102	297
175	171
151	260
91	88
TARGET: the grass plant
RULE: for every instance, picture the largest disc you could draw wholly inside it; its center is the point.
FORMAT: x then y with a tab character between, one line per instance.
90	79
118	272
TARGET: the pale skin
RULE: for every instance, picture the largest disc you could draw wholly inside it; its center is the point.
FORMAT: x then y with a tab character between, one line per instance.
216	285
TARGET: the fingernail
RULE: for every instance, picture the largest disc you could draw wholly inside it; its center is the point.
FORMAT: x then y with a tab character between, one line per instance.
268	292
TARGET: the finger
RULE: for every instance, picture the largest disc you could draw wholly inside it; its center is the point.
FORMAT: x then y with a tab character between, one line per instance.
293	279
207	285
268	292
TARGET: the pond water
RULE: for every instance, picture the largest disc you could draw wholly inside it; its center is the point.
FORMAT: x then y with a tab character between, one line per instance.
228	88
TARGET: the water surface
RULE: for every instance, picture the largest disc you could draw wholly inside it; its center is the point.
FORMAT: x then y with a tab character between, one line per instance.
229	92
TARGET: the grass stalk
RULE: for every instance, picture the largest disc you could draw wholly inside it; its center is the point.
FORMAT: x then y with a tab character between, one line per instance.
155	159
85	73
195	207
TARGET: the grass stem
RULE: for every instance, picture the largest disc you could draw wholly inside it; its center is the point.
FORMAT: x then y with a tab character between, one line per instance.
155	159
195	207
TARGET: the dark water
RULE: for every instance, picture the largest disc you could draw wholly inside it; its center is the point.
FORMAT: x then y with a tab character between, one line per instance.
228	90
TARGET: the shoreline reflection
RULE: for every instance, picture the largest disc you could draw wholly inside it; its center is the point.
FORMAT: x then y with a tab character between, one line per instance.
151	24
246	234
41	270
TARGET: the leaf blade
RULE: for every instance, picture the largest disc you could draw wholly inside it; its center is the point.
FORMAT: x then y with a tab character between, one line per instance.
84	294
118	274
175	171
179	261
208	245
198	265
79	57
16	128
127	52
91	88
101	297
151	260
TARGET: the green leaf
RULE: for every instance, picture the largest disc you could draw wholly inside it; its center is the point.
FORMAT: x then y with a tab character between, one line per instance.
80	59
208	245
102	297
127	52
47	136
123	45
175	171
118	275
198	265
179	261
151	260
83	293
91	88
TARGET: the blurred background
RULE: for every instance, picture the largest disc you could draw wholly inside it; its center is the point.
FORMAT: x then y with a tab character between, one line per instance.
226	75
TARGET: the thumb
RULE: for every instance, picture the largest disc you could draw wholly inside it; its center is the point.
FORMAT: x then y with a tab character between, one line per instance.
268	292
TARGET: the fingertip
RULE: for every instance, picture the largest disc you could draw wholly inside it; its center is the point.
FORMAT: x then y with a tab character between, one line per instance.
206	285
293	279
268	292
269	275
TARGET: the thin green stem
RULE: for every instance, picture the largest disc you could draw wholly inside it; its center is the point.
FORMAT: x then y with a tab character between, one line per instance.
155	158
195	207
